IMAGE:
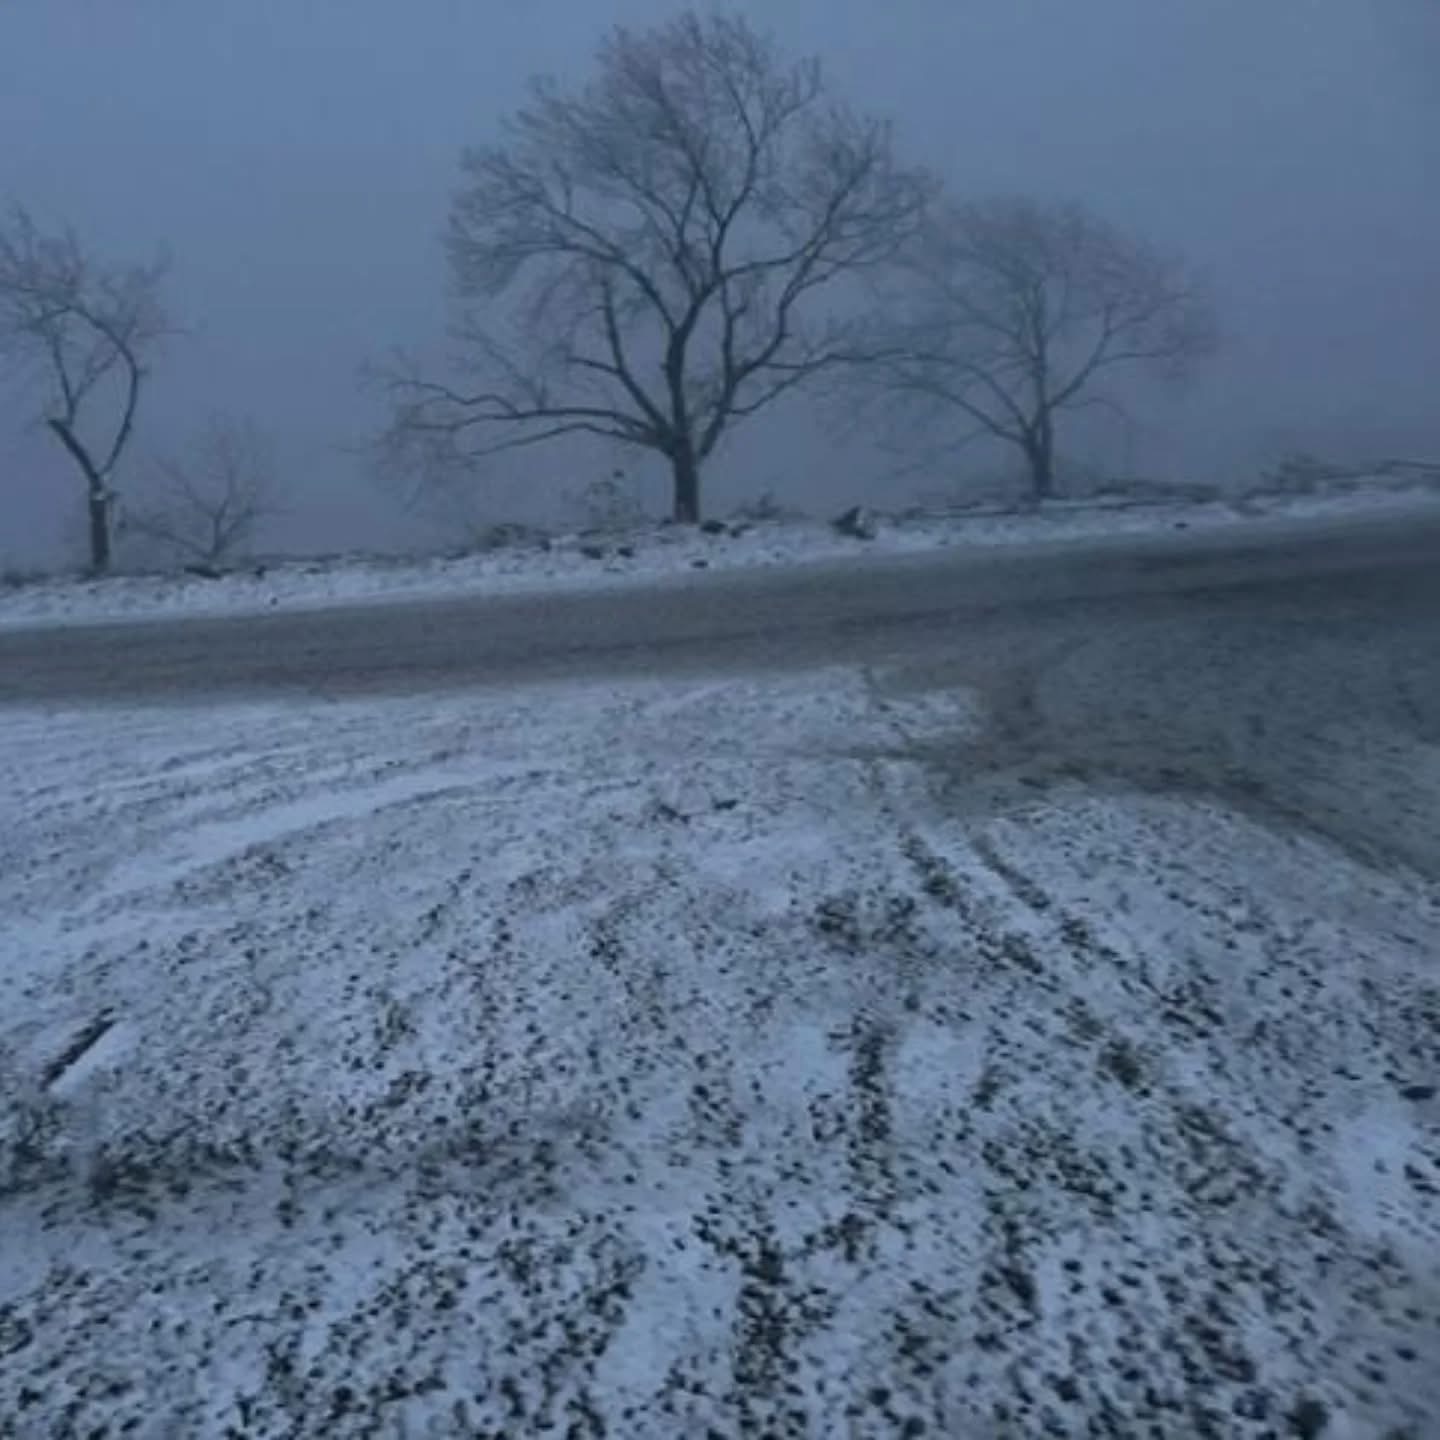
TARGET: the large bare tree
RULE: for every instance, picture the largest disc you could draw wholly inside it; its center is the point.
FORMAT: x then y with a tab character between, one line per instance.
672	239
205	508
1012	313
87	329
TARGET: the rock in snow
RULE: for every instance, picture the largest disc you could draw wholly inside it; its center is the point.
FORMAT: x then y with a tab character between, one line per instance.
859	522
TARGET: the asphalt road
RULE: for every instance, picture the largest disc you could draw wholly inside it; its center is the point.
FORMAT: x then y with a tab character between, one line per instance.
998	607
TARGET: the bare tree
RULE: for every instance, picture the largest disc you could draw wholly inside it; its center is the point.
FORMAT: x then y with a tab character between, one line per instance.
1013	313
87	328
206	508
667	233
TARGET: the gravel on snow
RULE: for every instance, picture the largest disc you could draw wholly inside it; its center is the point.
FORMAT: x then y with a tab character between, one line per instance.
644	1060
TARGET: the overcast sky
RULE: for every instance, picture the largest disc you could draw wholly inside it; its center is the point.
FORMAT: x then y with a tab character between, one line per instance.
296	156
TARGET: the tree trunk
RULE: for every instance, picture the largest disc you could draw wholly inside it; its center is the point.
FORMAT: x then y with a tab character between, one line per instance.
685	473
98	505
97	494
1040	455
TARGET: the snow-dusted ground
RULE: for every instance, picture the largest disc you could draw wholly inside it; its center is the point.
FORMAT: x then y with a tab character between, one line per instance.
660	1060
589	561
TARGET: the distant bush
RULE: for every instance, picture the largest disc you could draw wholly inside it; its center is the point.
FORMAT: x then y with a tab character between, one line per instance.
13	578
509	535
1301	473
1142	491
610	503
765	508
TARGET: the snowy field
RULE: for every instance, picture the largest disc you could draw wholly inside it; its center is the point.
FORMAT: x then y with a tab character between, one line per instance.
594	560
680	1060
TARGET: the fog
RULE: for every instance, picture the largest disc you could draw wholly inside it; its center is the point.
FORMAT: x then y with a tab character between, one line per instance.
297	161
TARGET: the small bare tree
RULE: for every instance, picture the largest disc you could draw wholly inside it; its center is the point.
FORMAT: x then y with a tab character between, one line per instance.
1012	313
206	509
667	234
87	328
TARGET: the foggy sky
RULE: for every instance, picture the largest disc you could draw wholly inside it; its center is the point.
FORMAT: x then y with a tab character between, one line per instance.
297	156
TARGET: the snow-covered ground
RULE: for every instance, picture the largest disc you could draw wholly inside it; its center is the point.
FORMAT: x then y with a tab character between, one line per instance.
653	1060
590	561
